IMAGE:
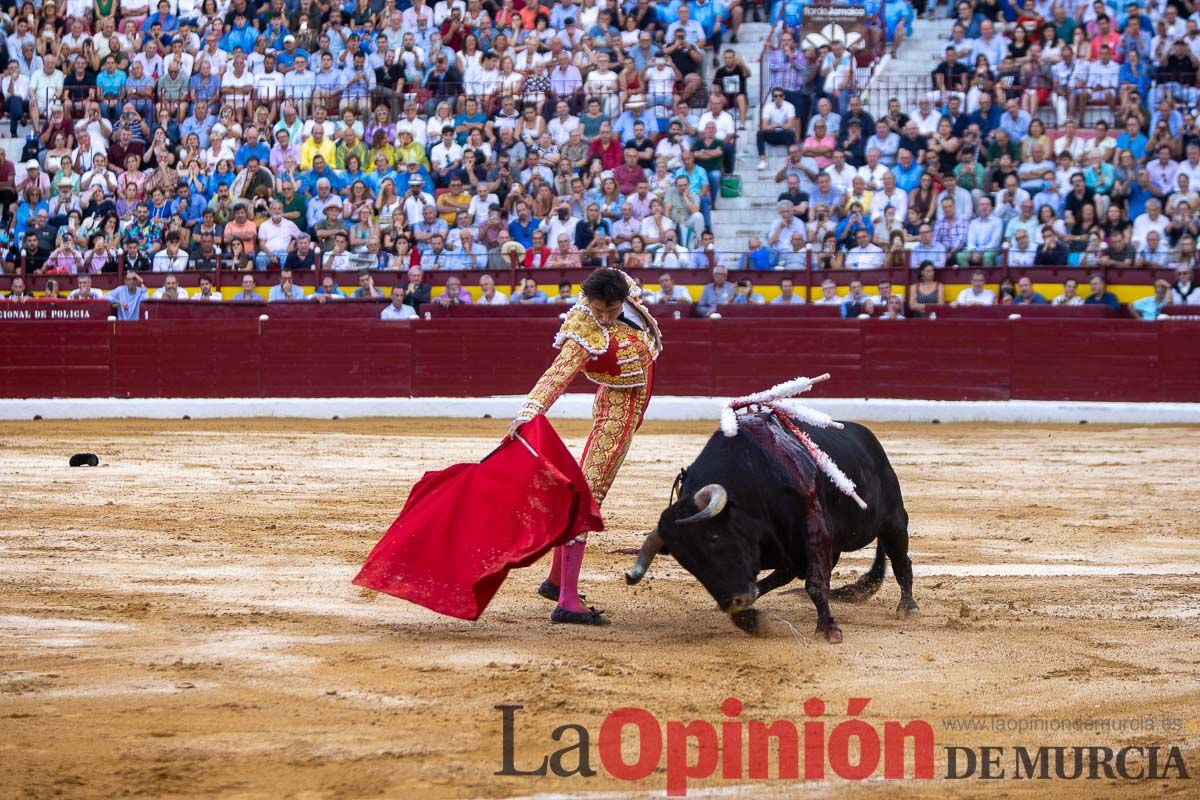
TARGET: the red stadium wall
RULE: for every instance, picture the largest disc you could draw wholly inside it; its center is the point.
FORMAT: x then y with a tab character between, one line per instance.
950	359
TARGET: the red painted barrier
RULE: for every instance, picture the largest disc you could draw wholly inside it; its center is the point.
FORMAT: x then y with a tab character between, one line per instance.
962	359
195	309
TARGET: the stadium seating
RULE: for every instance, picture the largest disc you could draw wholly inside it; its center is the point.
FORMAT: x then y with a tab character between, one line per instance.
510	141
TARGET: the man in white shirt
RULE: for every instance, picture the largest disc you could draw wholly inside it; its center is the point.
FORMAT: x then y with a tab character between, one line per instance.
865	254
170	290
1151	220
873	171
778	125
482	80
268	82
171	258
398	309
668	292
1099	85
563	123
976	294
206	292
179	56
85	290
841	175
829	295
45	85
716	114
927	118
1023	251
489	295
275	236
889	197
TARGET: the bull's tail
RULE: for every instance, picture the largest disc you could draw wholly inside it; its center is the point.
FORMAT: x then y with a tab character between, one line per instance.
867	584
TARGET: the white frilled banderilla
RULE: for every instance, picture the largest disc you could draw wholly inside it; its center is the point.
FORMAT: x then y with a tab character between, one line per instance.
771	401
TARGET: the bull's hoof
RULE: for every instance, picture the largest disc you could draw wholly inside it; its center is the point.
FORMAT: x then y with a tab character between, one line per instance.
906	610
747	620
832	634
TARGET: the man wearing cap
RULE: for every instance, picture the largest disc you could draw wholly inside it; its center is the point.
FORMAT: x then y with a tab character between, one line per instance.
34	176
286	59
635	112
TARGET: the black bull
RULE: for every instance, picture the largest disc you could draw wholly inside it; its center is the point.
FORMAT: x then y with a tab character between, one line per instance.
756	501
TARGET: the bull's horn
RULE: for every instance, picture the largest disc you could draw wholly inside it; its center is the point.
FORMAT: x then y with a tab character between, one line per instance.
649	550
711	500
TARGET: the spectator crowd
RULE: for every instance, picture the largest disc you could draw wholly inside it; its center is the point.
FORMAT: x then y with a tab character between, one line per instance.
173	135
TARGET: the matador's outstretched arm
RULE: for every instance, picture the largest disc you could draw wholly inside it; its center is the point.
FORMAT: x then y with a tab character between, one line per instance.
554	381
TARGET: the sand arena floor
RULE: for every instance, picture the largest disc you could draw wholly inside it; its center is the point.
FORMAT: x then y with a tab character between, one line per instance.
180	621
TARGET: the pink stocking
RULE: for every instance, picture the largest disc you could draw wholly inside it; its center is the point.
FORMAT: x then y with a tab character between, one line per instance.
555	575
572	562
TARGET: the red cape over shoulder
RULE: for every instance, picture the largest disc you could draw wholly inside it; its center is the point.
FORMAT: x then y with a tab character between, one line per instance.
463	528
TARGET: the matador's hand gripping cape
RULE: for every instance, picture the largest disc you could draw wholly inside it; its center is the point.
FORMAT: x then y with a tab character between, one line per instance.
465	527
619	357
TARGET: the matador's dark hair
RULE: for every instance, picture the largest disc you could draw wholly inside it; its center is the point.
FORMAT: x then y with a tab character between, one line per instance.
607	285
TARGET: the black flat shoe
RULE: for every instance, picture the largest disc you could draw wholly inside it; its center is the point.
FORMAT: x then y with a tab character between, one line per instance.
590	617
549	590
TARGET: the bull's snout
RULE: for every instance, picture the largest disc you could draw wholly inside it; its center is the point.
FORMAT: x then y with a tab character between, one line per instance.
740	602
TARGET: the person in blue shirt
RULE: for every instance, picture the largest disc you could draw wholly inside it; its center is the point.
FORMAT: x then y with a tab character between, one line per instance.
252	147
159	205
275	31
308	180
987	116
1133	140
1148	308
199	122
164	17
521	228
898	18
189	207
471	116
286	57
222	176
757	257
852	223
907	171
110	82
1100	294
127	299
240	35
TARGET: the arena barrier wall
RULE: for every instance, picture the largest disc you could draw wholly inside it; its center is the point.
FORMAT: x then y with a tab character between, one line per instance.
945	359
